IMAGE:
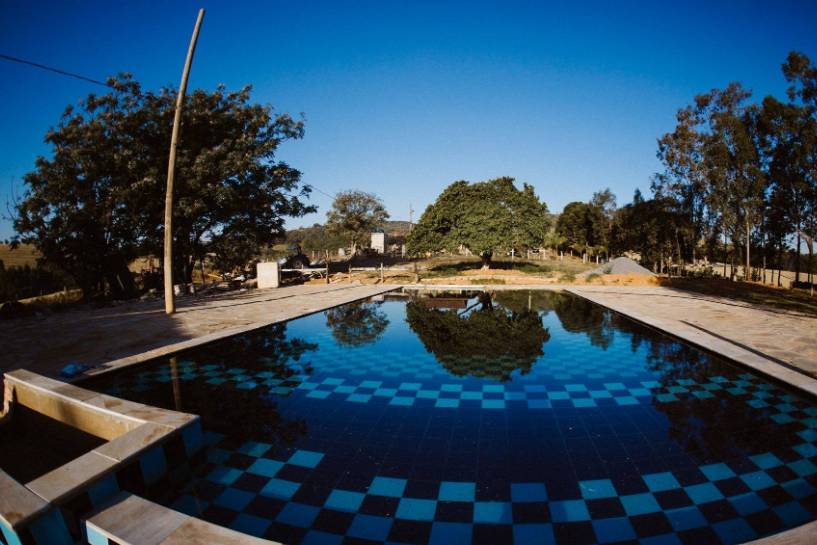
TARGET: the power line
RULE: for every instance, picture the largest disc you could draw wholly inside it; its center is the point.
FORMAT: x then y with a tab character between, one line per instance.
52	69
321	191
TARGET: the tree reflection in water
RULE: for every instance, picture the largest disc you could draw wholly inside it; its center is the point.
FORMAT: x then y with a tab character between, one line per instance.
483	340
356	324
579	315
226	407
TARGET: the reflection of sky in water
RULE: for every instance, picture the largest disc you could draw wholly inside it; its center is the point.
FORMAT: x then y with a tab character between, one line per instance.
480	420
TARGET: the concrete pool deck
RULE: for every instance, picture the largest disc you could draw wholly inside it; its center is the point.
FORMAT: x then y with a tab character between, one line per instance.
137	331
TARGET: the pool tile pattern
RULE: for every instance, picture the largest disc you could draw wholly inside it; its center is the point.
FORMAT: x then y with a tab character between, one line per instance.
616	436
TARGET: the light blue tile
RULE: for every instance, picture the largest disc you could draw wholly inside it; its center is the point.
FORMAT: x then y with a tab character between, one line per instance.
717	472
539	404
806	450
402	401
758	480
94	537
639	504
224	475
597	489
279	488
804	468
359	398
446	403
626	400
703	493
344	500
254	448
305	458
457	491
416	509
388	486
568	511
583	403
493	512
265	467
600	394
493	404
766	460
659	482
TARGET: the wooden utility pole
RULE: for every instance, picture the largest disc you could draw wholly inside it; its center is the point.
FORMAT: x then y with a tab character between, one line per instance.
170	304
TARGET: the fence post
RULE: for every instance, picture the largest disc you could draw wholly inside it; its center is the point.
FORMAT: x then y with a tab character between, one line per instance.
382	279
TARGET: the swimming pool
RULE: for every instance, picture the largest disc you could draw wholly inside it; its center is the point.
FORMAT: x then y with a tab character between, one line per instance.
514	417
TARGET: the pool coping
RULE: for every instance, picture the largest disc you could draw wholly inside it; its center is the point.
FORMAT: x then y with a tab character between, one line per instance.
169	349
694	337
700	338
129	429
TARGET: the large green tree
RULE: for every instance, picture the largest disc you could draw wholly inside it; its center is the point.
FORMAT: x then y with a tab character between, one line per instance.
583	227
354	215
98	201
482	217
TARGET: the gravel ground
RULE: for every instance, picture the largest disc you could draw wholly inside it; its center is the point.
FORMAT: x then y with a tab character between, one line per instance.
621	265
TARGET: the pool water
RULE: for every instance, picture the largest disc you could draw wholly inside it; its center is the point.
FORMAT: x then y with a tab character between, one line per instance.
515	417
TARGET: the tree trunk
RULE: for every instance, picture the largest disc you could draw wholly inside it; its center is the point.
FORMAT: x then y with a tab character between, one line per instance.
746	275
486	260
797	257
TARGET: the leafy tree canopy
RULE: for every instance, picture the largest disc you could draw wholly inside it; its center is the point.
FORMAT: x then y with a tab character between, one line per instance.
484	217
354	215
583	227
98	201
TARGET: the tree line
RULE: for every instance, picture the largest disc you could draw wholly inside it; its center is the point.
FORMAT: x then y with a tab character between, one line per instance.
739	183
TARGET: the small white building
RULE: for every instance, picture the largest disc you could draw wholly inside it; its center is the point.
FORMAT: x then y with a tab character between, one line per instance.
379	242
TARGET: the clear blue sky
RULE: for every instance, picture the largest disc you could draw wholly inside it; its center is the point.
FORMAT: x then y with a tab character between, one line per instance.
402	98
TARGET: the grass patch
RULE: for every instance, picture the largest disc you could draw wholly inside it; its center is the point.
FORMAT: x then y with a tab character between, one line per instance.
478	281
567	277
591	277
756	294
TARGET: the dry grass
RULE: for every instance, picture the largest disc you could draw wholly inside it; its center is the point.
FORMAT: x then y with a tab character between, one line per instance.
23	255
749	292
